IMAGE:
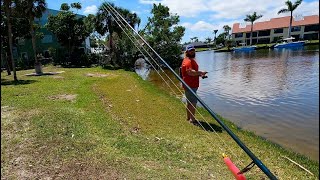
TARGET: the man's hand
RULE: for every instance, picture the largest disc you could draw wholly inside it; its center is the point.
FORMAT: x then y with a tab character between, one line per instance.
203	74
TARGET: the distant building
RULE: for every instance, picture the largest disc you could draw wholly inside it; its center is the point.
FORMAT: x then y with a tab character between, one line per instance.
196	45
303	28
24	48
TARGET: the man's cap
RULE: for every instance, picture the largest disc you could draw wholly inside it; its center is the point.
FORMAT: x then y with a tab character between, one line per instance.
189	47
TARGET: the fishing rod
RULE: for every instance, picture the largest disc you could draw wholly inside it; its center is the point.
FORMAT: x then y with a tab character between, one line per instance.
226	128
227	160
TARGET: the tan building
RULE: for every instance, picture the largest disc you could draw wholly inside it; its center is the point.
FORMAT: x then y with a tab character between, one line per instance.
304	28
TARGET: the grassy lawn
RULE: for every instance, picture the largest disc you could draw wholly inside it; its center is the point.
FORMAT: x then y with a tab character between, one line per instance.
101	124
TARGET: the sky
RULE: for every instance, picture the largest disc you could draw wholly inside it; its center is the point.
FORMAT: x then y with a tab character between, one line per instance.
200	17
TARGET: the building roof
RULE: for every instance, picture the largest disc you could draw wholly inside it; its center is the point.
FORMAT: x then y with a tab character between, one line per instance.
276	23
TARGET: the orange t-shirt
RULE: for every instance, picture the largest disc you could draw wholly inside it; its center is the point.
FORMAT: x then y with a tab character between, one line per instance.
192	81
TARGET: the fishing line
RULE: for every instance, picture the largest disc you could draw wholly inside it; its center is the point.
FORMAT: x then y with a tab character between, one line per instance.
236	139
173	84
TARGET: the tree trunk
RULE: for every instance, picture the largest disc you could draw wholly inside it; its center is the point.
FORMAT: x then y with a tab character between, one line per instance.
37	63
251	34
8	12
7	63
289	33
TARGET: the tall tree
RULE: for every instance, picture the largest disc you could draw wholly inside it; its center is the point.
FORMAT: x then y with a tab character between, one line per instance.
19	29
226	29
215	33
64	7
194	39
163	34
34	9
208	40
106	22
290	7
8	6
70	30
76	5
252	18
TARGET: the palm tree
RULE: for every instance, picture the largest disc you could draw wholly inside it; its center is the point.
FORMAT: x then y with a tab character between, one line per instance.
76	6
290	7
194	39
208	40
252	18
7	4
226	30
106	23
34	9
64	7
215	33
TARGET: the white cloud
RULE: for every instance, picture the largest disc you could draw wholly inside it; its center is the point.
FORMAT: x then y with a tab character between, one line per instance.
199	26
207	15
90	9
148	2
182	7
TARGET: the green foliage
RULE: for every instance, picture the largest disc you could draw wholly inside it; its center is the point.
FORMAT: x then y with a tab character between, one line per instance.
20	26
290	6
226	29
122	51
76	5
163	35
252	18
64	7
221	38
70	30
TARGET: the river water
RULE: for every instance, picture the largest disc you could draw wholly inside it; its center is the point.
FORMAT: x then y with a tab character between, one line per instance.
273	93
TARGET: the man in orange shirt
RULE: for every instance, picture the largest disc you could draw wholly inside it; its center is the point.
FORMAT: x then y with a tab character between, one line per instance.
190	74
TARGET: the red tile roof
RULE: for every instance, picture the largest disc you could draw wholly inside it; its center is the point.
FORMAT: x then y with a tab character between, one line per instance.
276	23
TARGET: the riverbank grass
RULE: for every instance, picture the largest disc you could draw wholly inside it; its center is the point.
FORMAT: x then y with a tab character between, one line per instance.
102	124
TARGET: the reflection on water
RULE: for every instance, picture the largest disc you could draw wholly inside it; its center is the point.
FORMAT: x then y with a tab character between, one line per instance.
274	93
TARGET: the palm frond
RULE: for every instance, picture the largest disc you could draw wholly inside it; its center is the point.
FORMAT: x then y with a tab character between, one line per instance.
289	5
296	4
283	11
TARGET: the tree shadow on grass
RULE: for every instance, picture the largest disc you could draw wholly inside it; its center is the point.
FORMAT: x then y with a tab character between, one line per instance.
5	82
209	126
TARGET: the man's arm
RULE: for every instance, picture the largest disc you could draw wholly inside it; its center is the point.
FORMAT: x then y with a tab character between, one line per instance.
192	72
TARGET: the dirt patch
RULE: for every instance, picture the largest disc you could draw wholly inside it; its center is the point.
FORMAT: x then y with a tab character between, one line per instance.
78	169
17	140
68	97
97	75
57	77
6	111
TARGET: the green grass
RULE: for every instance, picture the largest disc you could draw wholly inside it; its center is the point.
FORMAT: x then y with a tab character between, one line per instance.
119	126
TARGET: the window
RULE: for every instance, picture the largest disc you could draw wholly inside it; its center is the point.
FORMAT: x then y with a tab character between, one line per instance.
309	28
47	39
295	28
254	34
311	36
264	33
239	35
279	30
